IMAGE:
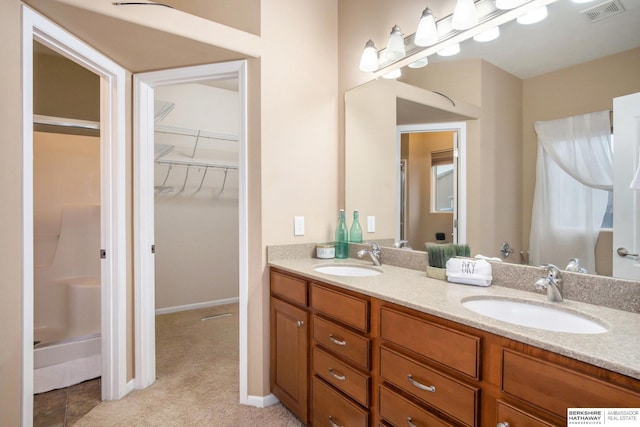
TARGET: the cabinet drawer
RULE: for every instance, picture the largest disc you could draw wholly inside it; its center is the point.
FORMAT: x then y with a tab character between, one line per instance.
328	406
349	310
518	418
445	393
288	288
350	345
400	412
556	388
449	347
343	377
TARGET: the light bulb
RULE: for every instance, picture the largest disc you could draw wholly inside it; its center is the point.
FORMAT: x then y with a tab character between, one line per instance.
465	15
395	45
369	58
393	74
427	32
419	63
533	17
509	4
487	35
450	50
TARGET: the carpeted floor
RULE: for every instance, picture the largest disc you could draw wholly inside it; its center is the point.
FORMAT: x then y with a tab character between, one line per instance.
197	379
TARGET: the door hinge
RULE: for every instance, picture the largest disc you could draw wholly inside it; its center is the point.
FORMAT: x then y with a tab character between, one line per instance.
153	249
103	253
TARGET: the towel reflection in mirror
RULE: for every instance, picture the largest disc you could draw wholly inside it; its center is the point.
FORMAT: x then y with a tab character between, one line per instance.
574	177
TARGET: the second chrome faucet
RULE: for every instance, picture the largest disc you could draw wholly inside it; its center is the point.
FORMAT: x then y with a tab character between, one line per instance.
373	252
552	283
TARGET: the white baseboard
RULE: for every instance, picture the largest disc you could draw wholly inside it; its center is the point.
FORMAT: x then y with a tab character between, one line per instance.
197	305
262	401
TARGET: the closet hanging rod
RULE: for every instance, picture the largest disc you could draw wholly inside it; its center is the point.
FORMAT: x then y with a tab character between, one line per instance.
40	119
195	164
171	130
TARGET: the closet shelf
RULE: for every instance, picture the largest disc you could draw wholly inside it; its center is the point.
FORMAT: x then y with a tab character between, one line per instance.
191	163
195	133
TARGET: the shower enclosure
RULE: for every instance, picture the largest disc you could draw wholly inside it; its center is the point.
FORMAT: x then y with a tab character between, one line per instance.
67	317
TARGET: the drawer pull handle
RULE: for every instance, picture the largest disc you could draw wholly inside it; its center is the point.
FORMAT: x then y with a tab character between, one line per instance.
300	323
331	423
337	341
505	424
410	422
430	388
336	375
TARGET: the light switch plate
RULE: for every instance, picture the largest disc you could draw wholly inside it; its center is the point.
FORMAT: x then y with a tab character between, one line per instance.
371	224
298	226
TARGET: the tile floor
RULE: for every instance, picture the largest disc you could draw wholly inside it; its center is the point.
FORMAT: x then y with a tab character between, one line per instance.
65	406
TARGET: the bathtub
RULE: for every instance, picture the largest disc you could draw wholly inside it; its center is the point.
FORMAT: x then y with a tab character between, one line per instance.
68	362
71	353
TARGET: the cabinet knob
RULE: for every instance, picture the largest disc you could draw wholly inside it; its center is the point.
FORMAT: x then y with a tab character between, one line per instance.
505	424
300	323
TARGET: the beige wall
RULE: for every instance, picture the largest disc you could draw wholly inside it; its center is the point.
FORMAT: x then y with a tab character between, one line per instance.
299	150
581	89
11	213
63	88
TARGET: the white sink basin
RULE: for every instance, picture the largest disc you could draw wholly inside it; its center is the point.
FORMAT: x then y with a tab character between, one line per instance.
534	316
348	270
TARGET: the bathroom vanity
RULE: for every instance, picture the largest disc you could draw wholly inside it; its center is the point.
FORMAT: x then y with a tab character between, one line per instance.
399	349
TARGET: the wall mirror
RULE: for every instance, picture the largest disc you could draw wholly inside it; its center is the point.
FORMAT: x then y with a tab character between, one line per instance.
566	38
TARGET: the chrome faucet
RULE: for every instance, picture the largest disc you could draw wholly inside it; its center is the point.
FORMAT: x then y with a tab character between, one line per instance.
552	283
402	244
374	253
574	265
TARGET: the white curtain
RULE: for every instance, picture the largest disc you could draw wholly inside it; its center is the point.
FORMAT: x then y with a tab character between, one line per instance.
574	173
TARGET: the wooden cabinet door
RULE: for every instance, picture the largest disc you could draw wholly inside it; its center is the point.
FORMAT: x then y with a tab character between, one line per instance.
290	357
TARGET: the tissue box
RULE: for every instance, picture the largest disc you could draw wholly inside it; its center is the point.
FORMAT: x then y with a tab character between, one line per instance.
469	271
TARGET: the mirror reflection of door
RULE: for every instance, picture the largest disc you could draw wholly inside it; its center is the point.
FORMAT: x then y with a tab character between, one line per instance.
626	232
429	186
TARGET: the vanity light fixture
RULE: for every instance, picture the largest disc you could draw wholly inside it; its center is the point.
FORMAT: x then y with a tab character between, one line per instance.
451	50
509	4
487	35
465	15
423	62
395	45
369	58
427	32
533	17
393	74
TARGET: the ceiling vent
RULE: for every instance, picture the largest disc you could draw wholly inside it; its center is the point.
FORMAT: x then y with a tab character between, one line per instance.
603	11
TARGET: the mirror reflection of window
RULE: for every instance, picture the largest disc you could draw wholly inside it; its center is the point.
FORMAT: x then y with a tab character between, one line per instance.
442	181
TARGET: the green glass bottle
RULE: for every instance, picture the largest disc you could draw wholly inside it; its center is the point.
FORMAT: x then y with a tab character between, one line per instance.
356	231
342	237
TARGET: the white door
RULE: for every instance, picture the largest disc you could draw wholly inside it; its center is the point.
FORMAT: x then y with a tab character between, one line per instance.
626	202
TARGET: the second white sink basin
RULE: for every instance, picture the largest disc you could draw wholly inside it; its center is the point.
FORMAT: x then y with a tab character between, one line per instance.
532	315
348	270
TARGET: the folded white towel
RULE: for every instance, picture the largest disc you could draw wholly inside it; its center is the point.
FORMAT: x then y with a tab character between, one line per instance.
469	271
488	258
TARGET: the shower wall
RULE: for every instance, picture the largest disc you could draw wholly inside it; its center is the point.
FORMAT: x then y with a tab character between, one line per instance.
196	220
66	235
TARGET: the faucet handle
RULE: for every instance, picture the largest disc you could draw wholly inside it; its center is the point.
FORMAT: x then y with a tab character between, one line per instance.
374	246
552	271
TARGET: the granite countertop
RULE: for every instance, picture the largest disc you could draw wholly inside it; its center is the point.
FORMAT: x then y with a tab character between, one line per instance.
618	349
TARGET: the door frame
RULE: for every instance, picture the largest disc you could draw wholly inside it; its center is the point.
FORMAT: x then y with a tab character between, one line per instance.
112	195
143	85
460	171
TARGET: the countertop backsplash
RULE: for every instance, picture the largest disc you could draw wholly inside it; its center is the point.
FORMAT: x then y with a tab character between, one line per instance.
598	290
